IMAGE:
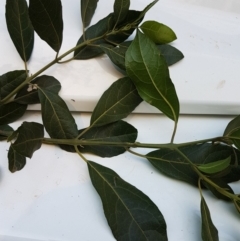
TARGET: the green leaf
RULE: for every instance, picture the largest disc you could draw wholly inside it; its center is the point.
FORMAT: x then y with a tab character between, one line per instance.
147	8
46	17
10	81
57	118
215	167
97	30
16	162
121	8
29	93
88	8
29	138
116	103
209	231
158	32
5	131
10	112
232	131
131	215
170	54
119	131
171	163
150	74
20	27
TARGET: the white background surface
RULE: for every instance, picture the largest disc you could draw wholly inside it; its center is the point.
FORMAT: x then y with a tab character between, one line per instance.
52	197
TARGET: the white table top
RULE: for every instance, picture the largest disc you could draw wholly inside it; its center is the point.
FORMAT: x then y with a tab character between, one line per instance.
52	198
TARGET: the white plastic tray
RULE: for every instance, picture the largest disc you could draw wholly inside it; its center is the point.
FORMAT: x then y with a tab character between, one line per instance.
207	79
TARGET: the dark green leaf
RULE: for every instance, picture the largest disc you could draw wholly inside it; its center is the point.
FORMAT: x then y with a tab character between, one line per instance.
209	231
232	131
150	74
88	8
97	30
158	32
57	119
46	17
10	81
131	215
171	163
29	138
121	8
215	167
170	54
16	162
10	112
5	131
221	183
116	103
115	132
29	94
147	8
20	27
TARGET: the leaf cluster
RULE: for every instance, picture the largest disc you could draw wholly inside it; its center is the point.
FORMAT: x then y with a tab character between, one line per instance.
144	61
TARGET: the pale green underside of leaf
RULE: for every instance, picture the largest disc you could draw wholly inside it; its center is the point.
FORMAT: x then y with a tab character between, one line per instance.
131	215
150	74
209	231
20	28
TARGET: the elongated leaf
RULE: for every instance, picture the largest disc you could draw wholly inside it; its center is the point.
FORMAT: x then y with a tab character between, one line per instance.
10	112
131	215
5	131
121	8
171	163
97	30
29	139
10	81
158	32
209	231
232	131
29	94
150	74
116	103
215	167
46	17
88	8
170	54
16	161
147	8
119	131
20	27
57	119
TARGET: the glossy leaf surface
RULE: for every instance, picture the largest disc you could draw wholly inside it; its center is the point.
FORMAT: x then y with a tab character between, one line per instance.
215	167
20	27
5	131
116	103
10	112
88	8
174	165
16	161
158	32
10	81
119	131
131	215
171	54
29	138
121	8
57	119
150	74
209	231
97	30
29	94
232	131
46	17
